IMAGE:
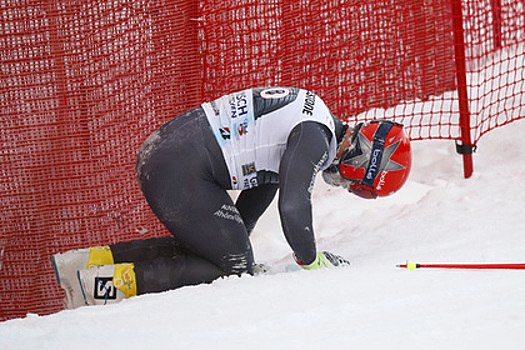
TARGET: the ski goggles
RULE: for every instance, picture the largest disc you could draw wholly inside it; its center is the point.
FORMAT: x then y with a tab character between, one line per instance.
363	191
333	177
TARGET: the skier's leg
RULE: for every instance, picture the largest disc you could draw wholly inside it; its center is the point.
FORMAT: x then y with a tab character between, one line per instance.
146	249
183	176
210	226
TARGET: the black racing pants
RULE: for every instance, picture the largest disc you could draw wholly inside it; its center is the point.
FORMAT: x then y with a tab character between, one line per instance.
183	175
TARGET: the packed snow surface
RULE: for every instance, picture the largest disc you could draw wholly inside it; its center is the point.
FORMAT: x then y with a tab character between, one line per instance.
437	217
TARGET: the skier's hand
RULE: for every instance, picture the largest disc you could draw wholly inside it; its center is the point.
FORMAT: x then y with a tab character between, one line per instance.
325	259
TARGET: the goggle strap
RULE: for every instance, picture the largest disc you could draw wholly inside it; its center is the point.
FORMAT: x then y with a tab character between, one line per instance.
378	147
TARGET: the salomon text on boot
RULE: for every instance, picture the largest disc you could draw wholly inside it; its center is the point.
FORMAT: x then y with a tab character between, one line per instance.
108	284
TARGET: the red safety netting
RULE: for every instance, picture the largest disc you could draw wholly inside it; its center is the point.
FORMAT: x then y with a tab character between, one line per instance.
83	83
495	48
356	55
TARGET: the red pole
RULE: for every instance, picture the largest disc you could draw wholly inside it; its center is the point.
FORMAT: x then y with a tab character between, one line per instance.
496	27
461	76
481	266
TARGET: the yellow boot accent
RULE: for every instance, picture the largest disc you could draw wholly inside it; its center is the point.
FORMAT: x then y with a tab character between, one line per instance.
124	279
99	256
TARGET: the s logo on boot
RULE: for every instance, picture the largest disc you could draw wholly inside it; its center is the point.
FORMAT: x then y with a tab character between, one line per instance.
104	289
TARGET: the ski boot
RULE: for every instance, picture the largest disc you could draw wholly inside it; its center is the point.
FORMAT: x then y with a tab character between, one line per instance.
67	265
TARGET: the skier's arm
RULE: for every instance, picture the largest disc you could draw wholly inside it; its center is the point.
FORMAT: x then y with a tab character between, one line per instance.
306	152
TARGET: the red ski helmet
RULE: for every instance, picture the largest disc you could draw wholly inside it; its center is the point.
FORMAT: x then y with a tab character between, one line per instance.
378	160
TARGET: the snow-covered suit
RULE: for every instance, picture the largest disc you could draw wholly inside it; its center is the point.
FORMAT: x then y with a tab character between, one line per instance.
257	141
